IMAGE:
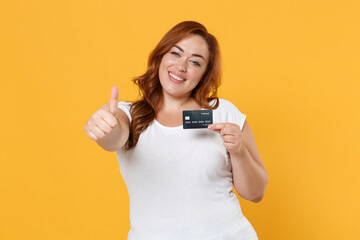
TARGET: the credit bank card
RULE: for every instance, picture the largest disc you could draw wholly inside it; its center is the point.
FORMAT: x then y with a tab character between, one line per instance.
197	119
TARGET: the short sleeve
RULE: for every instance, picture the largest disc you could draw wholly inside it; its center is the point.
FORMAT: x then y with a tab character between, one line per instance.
239	118
233	114
125	106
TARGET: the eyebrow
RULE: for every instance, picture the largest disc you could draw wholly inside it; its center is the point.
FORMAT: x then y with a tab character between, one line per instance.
195	55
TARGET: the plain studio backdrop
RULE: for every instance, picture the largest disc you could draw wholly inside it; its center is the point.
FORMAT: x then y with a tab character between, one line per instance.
291	66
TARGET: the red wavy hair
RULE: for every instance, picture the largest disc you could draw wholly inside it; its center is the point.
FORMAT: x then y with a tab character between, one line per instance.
150	90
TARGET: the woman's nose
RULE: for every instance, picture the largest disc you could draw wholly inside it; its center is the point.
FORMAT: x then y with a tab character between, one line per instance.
182	65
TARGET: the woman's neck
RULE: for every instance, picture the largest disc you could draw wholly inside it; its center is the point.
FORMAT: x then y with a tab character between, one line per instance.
172	104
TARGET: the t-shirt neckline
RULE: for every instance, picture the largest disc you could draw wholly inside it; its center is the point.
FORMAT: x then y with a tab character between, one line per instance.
163	126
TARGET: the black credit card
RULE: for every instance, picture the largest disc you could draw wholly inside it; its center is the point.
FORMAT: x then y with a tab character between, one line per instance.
197	119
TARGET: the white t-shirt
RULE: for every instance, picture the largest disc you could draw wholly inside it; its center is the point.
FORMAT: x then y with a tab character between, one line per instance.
180	183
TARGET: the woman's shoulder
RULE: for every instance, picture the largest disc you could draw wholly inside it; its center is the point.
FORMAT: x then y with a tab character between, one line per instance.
228	112
125	106
223	104
125	102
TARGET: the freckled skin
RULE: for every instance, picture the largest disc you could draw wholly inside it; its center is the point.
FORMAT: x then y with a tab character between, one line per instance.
184	65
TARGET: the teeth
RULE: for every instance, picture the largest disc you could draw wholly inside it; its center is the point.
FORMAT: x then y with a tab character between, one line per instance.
176	77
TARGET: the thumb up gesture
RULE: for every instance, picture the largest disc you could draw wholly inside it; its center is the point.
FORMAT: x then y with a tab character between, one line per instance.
104	120
114	98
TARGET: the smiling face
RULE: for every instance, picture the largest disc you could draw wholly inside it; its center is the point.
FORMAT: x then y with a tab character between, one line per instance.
183	66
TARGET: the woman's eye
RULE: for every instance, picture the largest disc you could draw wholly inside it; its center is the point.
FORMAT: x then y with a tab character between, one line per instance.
175	53
196	63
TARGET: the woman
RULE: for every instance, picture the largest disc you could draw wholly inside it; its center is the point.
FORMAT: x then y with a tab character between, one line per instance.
179	180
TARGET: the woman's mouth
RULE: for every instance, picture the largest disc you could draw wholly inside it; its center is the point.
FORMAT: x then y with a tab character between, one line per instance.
175	78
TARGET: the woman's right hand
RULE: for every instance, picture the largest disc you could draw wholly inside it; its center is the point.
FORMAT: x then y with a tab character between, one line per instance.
104	120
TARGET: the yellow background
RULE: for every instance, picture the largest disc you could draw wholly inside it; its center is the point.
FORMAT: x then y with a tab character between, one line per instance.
291	66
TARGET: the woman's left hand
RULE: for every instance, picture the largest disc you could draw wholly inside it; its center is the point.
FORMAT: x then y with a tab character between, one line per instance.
231	135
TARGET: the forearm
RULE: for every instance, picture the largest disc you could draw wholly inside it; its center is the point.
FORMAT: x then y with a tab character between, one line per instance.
250	178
